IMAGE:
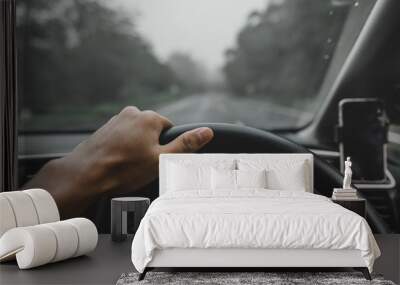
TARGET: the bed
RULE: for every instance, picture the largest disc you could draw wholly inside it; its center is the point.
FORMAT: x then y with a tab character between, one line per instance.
247	210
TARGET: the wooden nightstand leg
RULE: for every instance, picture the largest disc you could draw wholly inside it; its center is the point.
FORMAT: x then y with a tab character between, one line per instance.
364	271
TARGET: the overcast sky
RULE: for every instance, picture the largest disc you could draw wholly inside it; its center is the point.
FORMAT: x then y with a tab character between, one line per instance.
203	28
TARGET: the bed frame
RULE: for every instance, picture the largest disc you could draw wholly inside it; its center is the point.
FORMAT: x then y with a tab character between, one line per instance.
250	257
243	259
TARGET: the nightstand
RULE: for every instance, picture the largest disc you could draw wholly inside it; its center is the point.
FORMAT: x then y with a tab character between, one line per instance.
119	215
356	205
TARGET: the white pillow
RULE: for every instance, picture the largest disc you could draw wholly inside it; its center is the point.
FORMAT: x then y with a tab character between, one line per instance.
181	178
281	174
223	179
292	179
251	178
226	179
193	175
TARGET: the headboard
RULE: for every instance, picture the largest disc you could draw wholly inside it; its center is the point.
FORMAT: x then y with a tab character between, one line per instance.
165	158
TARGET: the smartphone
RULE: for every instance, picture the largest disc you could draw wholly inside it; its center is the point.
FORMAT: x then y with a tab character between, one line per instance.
363	128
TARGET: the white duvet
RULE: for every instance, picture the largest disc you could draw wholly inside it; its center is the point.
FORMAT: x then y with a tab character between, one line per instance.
250	219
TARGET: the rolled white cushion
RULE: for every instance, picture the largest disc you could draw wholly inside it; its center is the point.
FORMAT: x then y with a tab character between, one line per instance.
23	208
33	246
26	208
87	235
67	240
45	205
40	244
7	218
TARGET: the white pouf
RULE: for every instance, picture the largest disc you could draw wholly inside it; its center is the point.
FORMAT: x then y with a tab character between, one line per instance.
67	240
23	208
45	205
87	233
33	246
40	244
26	208
7	218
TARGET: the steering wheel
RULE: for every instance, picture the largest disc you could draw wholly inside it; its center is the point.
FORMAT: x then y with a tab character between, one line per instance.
229	138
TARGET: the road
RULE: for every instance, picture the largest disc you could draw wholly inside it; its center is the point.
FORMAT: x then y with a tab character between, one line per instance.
206	107
224	108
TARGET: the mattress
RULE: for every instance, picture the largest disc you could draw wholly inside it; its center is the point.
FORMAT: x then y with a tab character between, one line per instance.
251	218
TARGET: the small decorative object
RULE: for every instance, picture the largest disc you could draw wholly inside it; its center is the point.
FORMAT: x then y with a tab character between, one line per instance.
347	174
347	192
119	215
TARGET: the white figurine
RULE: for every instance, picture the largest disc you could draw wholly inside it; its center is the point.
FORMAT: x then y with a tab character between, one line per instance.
347	174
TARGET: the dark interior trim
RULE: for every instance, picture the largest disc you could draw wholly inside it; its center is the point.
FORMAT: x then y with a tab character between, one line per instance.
8	96
356	76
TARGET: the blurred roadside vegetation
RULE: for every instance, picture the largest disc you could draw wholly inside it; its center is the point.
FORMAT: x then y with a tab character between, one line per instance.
81	61
283	51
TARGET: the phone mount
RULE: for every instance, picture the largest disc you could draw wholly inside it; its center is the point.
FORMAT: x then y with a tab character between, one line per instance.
363	128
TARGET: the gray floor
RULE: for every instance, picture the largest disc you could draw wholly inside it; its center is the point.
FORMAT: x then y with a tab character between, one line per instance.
103	266
389	262
110	260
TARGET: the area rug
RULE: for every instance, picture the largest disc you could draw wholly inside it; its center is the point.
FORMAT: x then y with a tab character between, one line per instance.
243	278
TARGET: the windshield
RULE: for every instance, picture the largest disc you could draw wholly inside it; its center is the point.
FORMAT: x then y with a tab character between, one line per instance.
256	62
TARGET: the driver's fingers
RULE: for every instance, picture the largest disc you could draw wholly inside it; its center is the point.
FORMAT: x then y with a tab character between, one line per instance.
189	141
165	122
155	120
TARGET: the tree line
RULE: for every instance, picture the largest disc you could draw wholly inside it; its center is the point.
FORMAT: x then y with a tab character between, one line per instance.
283	51
77	55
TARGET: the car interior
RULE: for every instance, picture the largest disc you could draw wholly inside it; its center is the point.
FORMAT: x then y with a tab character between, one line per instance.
277	76
362	65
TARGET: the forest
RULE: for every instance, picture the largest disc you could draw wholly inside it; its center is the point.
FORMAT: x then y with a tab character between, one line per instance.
283	52
80	61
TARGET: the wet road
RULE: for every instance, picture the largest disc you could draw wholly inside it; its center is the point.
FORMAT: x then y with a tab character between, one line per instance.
220	107
205	107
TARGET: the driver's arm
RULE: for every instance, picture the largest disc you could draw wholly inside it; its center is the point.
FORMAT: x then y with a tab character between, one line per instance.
120	156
